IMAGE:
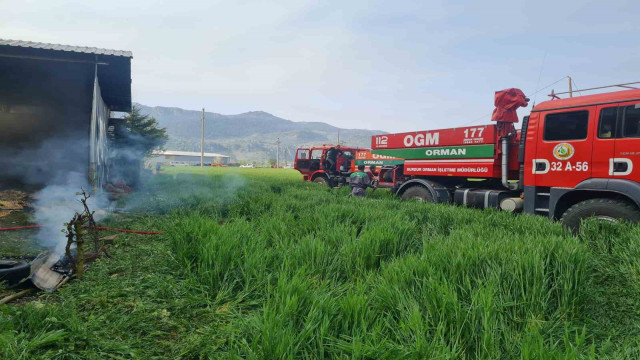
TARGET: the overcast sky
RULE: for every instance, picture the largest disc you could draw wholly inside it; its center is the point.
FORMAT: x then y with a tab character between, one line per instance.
388	65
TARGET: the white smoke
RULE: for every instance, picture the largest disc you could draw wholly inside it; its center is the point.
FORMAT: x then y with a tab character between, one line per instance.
56	205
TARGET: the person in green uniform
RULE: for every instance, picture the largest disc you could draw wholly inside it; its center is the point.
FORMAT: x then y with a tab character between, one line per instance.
359	182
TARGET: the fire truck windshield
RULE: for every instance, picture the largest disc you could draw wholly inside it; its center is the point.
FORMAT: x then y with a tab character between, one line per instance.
316	154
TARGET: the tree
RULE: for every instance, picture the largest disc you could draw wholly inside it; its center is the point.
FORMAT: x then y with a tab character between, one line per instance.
142	133
135	138
272	162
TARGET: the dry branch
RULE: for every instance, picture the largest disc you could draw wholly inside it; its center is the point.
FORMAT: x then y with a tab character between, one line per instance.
80	225
16	296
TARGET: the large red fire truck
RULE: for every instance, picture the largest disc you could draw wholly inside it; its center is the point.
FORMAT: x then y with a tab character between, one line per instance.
574	158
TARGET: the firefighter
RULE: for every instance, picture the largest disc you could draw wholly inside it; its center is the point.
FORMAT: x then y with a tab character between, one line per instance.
359	182
332	158
371	172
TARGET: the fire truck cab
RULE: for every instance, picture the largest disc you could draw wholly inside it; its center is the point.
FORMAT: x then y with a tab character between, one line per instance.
328	164
582	157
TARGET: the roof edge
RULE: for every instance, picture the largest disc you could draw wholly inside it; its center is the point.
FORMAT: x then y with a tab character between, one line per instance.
66	48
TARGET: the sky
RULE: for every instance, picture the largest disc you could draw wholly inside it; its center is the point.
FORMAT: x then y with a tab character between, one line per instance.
385	65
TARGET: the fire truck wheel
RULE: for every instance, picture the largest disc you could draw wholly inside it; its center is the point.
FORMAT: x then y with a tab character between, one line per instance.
419	193
13	271
610	210
321	180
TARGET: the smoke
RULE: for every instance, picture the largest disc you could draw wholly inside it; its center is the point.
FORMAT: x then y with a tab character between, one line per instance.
45	129
45	163
163	193
56	204
126	154
58	167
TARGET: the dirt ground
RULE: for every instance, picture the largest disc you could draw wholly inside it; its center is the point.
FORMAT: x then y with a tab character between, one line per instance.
14	206
13	200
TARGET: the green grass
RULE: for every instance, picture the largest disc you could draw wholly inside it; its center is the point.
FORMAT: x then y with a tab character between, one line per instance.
258	265
17	242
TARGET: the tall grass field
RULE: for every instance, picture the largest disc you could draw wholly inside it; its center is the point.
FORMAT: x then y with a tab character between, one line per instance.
256	264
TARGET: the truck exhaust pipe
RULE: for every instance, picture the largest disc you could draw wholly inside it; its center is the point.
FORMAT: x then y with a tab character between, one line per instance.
505	165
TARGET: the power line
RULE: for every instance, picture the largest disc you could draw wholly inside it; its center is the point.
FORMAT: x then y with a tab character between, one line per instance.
478	119
540	74
576	85
553	83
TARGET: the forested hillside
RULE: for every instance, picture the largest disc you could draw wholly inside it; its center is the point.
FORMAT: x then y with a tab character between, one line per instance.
249	136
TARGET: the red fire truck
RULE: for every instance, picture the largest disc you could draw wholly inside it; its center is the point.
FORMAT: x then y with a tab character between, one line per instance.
315	165
327	164
574	158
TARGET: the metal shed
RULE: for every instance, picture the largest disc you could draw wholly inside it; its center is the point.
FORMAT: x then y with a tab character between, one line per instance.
55	105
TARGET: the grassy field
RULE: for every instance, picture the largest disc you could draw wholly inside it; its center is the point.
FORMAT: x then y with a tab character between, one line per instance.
258	265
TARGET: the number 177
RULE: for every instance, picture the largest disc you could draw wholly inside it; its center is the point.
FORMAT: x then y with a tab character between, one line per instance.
473	132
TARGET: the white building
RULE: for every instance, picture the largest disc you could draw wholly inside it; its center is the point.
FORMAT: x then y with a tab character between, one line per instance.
178	158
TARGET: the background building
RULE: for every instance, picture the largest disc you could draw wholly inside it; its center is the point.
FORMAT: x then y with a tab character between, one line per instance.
177	158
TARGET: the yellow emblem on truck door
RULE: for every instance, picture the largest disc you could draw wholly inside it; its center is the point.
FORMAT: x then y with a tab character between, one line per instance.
563	151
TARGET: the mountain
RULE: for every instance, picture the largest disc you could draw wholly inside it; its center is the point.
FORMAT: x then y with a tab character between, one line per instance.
250	136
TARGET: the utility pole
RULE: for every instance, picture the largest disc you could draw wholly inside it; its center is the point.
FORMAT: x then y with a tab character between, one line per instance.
278	154
338	137
202	142
570	87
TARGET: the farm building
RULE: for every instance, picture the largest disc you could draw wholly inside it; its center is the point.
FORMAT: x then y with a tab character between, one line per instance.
172	157
55	106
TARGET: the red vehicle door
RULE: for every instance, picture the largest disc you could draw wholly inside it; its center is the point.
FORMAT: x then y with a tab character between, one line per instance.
625	162
564	147
302	162
604	140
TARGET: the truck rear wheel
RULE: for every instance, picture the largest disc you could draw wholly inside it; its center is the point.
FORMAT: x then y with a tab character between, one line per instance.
419	193
321	180
610	210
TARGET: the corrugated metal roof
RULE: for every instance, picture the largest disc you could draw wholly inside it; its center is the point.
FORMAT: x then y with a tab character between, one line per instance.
58	47
187	153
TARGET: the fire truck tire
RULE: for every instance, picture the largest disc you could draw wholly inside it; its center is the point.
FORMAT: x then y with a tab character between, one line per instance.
321	180
605	209
419	193
13	271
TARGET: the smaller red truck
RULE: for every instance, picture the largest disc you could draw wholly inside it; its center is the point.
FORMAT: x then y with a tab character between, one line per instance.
317	164
326	164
